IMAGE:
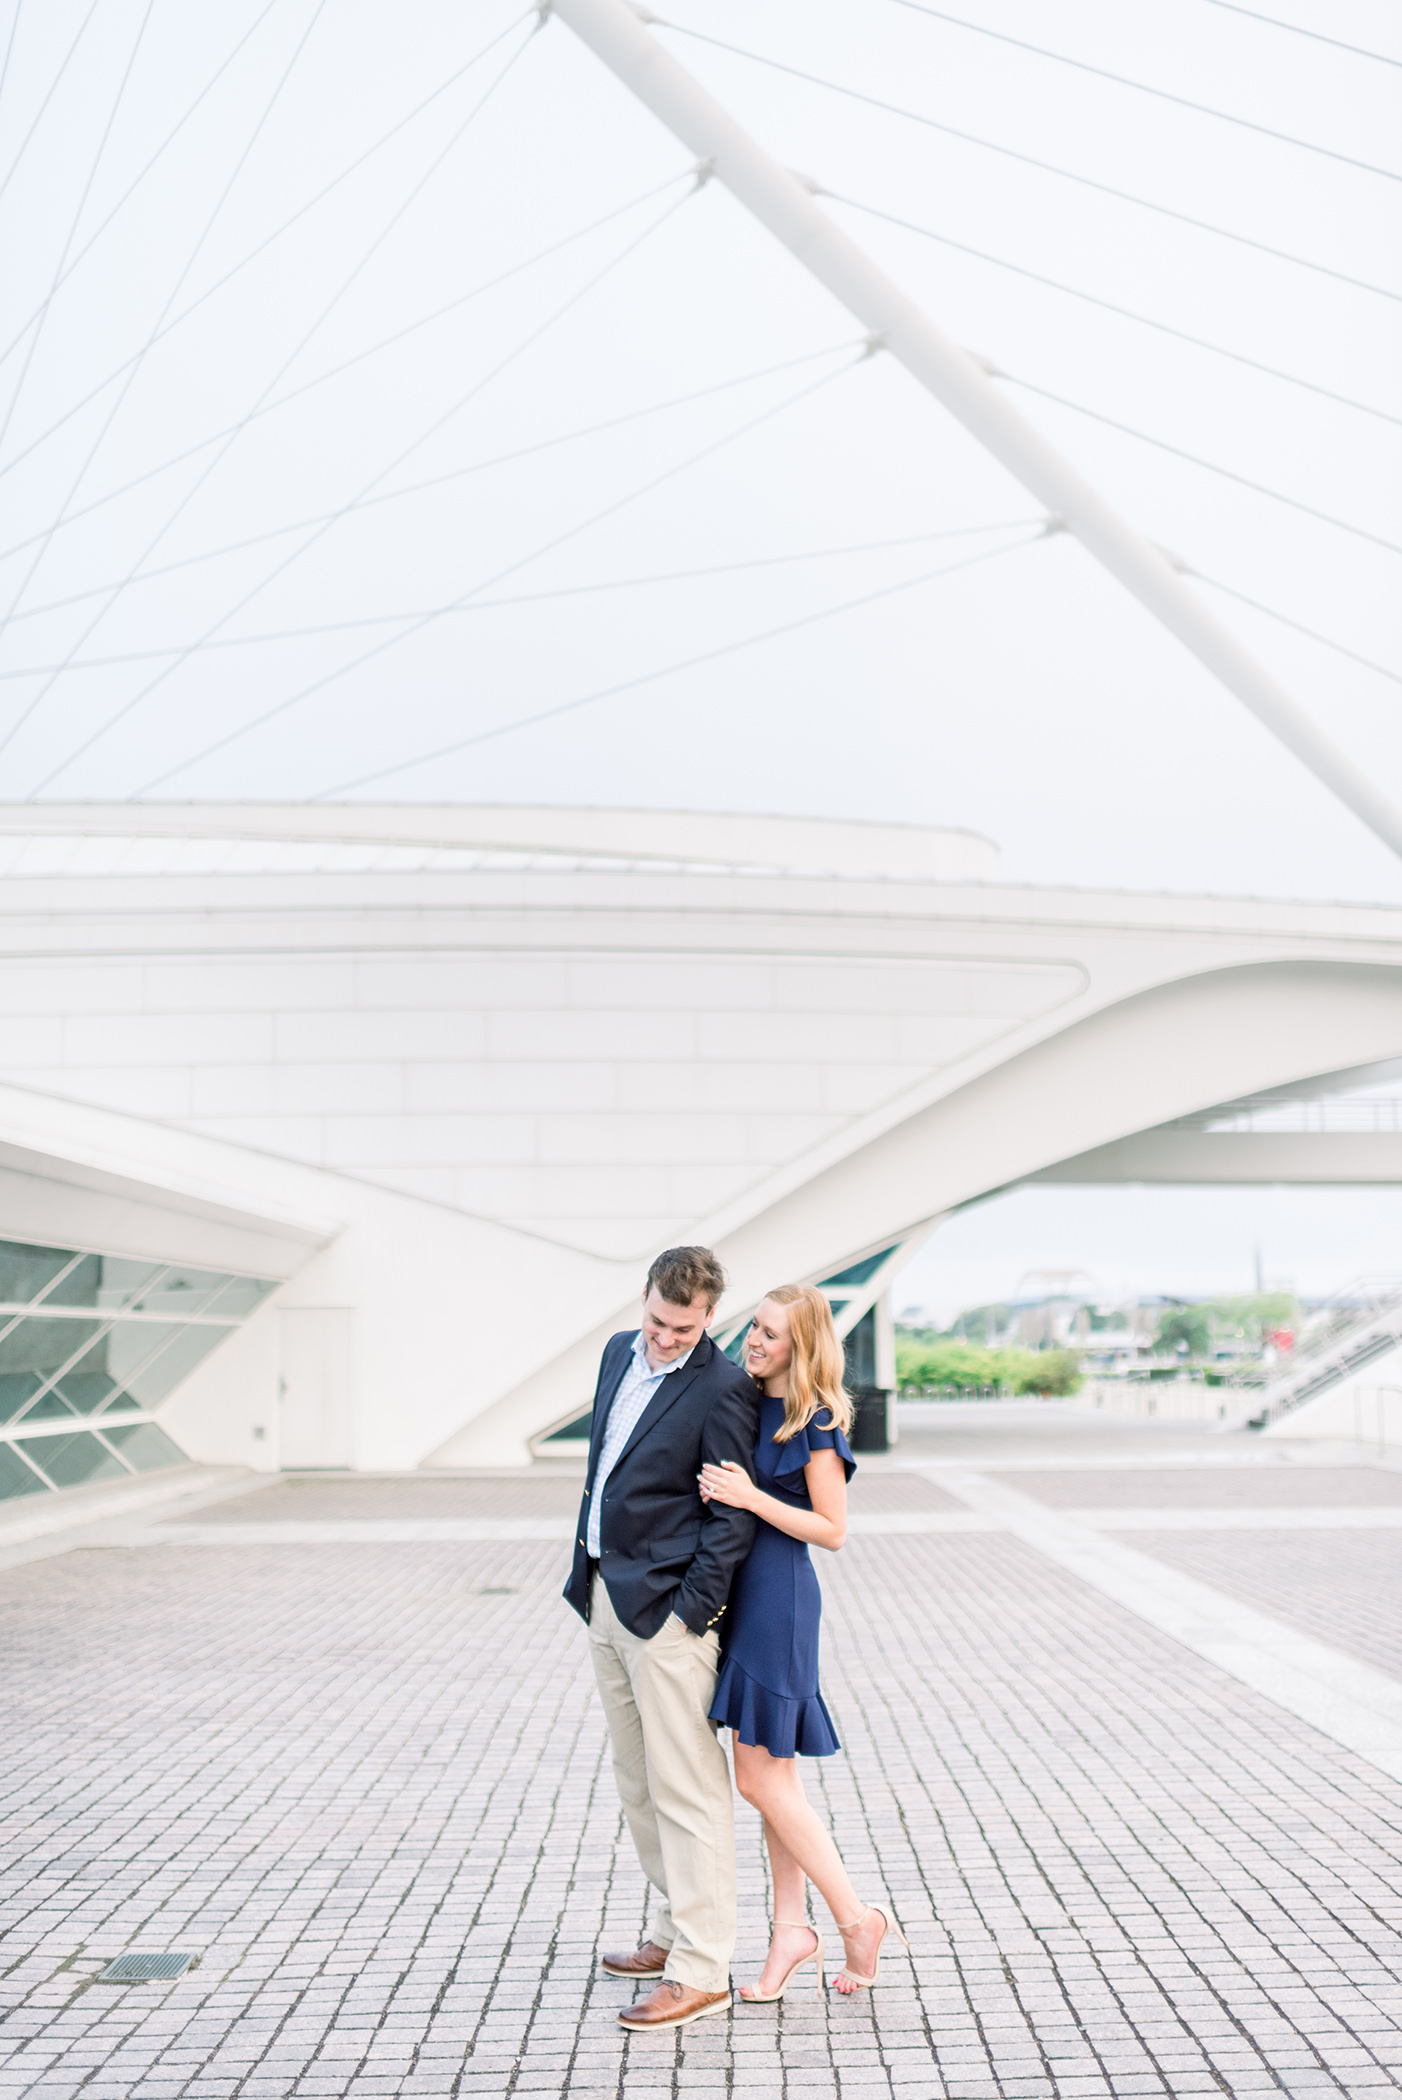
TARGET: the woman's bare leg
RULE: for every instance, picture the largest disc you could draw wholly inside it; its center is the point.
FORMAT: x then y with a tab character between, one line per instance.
799	1846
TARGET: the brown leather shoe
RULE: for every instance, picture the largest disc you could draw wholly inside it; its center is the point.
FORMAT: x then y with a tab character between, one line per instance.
647	1960
672	2005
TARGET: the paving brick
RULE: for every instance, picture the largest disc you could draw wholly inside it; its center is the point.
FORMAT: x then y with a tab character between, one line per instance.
368	1784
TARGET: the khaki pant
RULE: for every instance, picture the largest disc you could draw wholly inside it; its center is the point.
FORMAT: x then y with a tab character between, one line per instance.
674	1783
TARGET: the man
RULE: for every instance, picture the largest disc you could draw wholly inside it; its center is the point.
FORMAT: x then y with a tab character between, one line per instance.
652	1572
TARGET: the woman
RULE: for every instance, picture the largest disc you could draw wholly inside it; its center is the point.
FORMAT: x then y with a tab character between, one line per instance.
767	1692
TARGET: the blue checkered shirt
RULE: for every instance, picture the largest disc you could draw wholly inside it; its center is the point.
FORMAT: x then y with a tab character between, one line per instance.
636	1388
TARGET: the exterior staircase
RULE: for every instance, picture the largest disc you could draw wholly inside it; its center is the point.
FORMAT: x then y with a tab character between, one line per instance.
1359	1323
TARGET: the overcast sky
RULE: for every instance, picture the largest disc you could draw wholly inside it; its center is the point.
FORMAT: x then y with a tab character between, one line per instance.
1027	697
303	374
1114	1244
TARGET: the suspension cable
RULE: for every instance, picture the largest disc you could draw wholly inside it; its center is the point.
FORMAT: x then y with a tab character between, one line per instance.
388	342
80	208
1315	35
519	350
435	481
68	58
278	231
563	591
538	553
690	663
234	436
1273	613
1194	459
213	81
1202	109
1108	306
1043	167
45	539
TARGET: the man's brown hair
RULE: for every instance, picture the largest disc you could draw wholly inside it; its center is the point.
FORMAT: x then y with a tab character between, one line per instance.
683	1274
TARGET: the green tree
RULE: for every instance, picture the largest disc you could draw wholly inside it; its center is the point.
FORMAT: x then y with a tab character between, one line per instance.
1053	1371
1185	1325
946	1360
1252	1317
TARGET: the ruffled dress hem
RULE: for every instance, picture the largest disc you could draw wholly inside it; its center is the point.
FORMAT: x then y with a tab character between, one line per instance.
767	1720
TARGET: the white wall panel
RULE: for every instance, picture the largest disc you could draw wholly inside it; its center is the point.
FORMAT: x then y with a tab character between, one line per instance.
500	1084
931	1044
431	1184
27	1040
168	1039
598	1139
89	987
917	987
288	1137
479	981
425	1140
352	1034
850	1090
741	1086
162	1092
510	1034
297	1089
796	1038
224	985
606	1057
607	1190
647	984
775	1137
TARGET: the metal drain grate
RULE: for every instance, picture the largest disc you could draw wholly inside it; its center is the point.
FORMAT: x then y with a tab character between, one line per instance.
146	1968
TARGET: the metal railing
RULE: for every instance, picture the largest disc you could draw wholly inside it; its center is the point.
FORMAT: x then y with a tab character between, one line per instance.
1361	1323
1291	1118
1346	1311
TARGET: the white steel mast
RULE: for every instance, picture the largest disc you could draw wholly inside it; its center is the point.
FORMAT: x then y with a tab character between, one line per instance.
782	202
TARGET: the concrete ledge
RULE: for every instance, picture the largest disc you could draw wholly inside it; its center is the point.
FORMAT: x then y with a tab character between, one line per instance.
44	1524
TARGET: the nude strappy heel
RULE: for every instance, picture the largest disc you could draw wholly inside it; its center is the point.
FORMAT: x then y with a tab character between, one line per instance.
753	1995
864	1983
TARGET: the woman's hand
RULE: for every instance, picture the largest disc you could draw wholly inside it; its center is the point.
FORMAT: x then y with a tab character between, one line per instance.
728	1483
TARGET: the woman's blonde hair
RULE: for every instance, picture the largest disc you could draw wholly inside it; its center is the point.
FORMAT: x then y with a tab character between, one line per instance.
816	1366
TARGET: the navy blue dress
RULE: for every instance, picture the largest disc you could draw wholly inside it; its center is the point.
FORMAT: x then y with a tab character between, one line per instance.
767	1690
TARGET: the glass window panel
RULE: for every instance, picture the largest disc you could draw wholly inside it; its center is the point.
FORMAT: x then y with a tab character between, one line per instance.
859	1351
86	1390
52	1407
86	1384
239	1297
82	1286
576	1432
107	1282
16	1387
71	1460
860	1272
181	1292
132	1343
120	1403
123	1281
151	1381
17	1478
144	1446
24	1270
45	1346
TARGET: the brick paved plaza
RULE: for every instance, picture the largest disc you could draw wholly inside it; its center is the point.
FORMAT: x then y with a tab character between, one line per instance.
341	1743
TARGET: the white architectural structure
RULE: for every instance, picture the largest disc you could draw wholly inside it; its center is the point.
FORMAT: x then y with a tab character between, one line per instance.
395	1104
784	202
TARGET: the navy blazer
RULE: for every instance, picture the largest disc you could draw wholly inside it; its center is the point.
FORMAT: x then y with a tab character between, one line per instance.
662	1548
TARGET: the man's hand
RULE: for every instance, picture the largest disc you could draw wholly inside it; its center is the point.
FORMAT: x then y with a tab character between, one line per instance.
728	1483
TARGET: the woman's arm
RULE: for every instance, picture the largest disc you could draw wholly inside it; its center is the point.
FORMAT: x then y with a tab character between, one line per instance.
826	1479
